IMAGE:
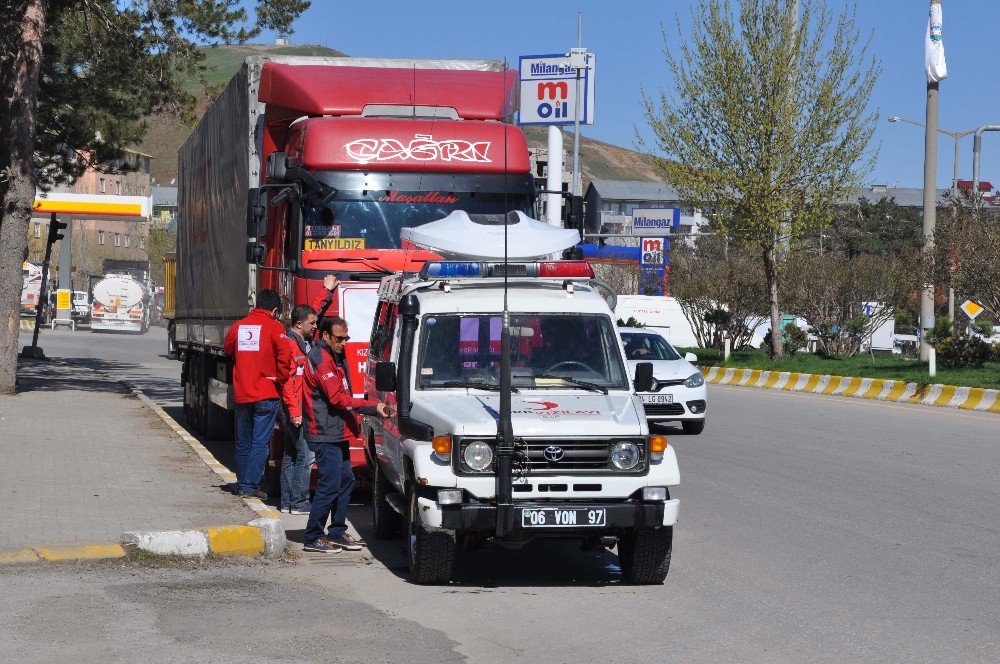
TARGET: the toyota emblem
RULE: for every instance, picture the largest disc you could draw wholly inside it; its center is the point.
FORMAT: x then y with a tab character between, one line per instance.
553	453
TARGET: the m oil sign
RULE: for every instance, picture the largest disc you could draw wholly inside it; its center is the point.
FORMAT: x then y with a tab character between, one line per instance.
653	250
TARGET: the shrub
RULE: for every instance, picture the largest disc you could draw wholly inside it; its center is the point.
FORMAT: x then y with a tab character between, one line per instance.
958	351
795	339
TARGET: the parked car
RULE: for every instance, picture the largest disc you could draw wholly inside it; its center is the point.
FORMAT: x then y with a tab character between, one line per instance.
679	393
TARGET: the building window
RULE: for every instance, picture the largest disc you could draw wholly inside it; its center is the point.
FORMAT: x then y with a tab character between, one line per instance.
142	243
38	229
118	239
100	187
128	241
100	237
118	187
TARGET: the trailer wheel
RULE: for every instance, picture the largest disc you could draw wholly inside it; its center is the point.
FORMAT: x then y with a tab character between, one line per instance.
386	520
430	553
644	554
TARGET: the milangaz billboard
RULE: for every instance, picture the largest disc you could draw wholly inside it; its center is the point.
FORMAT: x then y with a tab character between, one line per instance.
548	90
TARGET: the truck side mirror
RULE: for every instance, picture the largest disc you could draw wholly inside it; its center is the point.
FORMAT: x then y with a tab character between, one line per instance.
277	169
573	213
643	381
256	253
385	376
255	213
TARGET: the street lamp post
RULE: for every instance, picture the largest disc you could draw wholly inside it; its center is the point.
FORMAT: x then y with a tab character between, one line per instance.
957	136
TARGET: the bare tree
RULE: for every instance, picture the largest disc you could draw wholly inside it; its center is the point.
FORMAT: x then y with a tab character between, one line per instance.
720	290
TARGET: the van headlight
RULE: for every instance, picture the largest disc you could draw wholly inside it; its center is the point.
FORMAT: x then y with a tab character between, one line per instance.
625	456
695	380
478	456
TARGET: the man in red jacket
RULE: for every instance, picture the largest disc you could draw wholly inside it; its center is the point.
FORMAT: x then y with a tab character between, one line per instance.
259	347
330	411
296	463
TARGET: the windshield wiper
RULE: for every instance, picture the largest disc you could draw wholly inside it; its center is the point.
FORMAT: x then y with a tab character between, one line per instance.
593	387
479	385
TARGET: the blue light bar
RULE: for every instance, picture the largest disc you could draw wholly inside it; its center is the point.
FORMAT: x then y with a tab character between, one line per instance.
445	269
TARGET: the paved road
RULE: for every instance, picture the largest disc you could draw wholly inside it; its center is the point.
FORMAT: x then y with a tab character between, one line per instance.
812	529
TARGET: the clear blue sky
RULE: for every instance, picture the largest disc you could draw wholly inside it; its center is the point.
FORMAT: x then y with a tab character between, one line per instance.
625	36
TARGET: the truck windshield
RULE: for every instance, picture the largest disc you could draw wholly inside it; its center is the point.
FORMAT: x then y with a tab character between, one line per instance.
548	351
361	219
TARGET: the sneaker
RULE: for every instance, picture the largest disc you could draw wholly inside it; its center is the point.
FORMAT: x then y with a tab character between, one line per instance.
347	542
323	545
301	509
256	493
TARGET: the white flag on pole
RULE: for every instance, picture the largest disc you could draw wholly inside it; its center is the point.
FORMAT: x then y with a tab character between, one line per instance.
934	64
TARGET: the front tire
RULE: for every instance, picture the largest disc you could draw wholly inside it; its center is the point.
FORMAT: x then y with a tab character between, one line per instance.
693	427
387	522
430	553
644	554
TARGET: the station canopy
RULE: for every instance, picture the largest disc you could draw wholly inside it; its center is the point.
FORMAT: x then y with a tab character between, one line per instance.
481	236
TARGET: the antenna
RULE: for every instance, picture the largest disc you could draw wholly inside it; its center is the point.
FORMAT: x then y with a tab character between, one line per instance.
505	429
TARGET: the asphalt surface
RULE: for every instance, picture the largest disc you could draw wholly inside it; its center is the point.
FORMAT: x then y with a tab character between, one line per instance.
812	528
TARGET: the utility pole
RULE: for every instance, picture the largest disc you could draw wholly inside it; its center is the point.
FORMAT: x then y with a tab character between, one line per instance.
576	112
930	211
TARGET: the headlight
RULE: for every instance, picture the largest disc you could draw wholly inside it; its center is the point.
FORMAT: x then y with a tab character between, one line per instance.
695	380
478	456
625	456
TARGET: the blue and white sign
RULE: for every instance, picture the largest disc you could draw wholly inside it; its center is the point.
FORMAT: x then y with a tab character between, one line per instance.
653	251
655	221
548	90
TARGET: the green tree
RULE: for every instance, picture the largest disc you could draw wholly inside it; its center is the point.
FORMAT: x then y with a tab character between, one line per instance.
766	124
78	80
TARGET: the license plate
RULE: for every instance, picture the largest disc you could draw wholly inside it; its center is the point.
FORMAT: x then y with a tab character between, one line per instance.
657	398
552	517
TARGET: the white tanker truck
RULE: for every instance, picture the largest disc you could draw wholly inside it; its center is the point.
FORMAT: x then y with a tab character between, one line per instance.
120	301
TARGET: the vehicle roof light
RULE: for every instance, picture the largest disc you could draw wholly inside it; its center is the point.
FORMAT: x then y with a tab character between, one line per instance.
564	269
445	269
544	269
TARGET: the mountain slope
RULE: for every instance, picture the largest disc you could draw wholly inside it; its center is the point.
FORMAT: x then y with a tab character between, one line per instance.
598	160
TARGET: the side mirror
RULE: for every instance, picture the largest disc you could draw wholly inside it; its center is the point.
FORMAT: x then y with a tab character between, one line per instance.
385	376
277	169
255	213
643	381
256	253
573	213
690	357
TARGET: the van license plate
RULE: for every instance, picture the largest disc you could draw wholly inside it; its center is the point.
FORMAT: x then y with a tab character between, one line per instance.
551	517
657	398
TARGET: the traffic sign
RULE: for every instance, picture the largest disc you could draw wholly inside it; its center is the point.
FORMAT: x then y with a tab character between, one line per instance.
971	309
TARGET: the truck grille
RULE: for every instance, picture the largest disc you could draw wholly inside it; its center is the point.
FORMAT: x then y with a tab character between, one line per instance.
578	456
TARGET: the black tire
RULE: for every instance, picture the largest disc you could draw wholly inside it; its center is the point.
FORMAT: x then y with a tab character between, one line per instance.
693	427
644	554
387	522
430	553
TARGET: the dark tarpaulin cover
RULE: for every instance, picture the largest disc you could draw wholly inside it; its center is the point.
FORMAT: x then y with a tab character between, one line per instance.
214	172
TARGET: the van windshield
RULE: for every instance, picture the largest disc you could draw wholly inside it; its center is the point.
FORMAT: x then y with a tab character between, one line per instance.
548	351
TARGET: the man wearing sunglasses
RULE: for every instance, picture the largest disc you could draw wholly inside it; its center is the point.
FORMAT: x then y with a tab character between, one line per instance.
330	411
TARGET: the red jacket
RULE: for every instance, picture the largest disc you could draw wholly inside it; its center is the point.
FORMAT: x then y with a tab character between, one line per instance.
328	397
295	372
322	301
259	347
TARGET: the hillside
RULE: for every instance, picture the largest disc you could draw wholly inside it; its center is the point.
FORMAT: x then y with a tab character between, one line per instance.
166	134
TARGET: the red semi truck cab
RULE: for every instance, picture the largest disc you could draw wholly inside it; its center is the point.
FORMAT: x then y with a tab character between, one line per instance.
331	159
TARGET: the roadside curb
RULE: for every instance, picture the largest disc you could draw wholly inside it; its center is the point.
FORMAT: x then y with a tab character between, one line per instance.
946	396
264	534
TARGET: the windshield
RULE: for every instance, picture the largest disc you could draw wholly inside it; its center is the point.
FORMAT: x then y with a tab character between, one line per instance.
575	351
648	346
373	219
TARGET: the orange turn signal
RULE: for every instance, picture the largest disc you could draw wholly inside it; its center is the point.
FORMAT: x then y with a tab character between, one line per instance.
442	444
657	444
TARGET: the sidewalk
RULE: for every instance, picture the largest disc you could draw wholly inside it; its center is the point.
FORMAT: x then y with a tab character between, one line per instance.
84	461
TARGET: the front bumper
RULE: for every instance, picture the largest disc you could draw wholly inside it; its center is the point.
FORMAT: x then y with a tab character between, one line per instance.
689	403
482	517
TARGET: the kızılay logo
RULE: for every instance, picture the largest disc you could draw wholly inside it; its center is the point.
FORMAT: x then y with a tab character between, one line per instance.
551	409
543	405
